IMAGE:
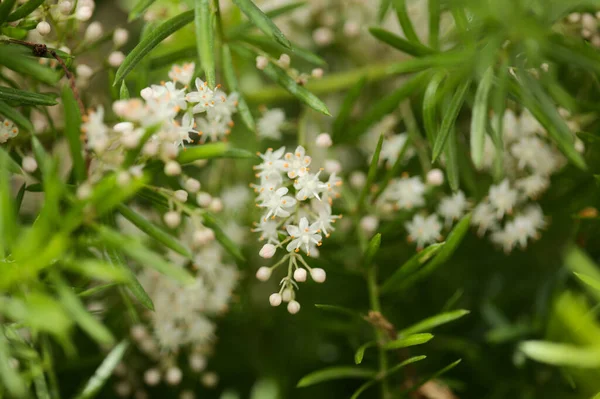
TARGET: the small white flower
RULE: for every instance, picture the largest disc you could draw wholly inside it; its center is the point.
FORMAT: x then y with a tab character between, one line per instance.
296	164
392	146
276	203
323	140
309	186
268	230
269	125
369	224
152	377
453	207
272	163
115	59
424	230
267	251
197	362
503	198
484	216
182	73
532	186
407	193
303	235
203	97
93	32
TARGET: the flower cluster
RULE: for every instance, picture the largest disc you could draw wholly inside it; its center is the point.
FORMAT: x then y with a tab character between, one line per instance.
8	130
166	118
296	217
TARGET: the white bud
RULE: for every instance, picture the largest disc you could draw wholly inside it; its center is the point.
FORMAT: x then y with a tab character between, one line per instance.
147	93
65	7
139	332
588	21
293	307
317	73
172	168
29	164
181	195
173	376
123	389
203	236
287	294
123	178
84	13
43	28
263	273
116	58
351	29
579	145
150	148
318	275
369	224
435	177
586	33
261	62
323	36
120	37
267	251
332	166
324	140
300	275
197	362
192	185
84	71
169	150
130	140
574	17
152	377
93	32
203	199
210	379
84	191
358	179
216	205
149	346
596	41
172	219
275	299
284	61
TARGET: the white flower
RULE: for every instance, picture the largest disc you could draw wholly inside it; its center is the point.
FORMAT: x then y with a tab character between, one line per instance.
204	97
303	235
537	155
272	163
392	146
326	219
296	164
453	207
407	193
503	198
534	185
435	177
269	125
309	186
323	140
182	73
424	230
7	131
268	230
369	223
95	130
484	216
276	203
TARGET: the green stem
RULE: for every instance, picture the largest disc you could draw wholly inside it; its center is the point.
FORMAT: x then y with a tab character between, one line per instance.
376	306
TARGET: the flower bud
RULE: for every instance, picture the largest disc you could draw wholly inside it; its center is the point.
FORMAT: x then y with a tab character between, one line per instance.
323	36
203	199
65	7
115	59
84	13
210	379
263	273
358	179
284	61
332	166
84	191
172	219
84	71
123	389
93	32
318	275
152	377
300	275
287	295
139	332
323	140
275	299
317	73
123	178
216	205
203	236
147	93
43	28
150	148
181	195
29	164
197	362
435	177
369	224
261	62
172	168
293	307
267	251
120	37
192	185
173	376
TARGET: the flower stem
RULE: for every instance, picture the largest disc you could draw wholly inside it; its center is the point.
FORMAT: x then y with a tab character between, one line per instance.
376	307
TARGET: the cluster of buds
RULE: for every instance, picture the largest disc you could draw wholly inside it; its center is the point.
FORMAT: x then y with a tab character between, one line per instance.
8	130
297	216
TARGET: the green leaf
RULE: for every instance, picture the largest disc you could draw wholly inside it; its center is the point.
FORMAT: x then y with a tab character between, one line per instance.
386	105
584	267
430	105
8	220
25	98
150	41
452	167
410	340
19	197
335	373
479	118
13	57
24	10
264	389
360	352
432	322
124	91
595	284
232	82
12	114
371	175
80	315
404	20
393	283
240	29
434	9
153	231
144	256
108	194
413	48
10	377
5	9
104	371
205	40
384	7
262	22
341	120
139	8
98	270
372	249
389	372
559	354
450	118
276	49
134	286
211	222
211	150
73	133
